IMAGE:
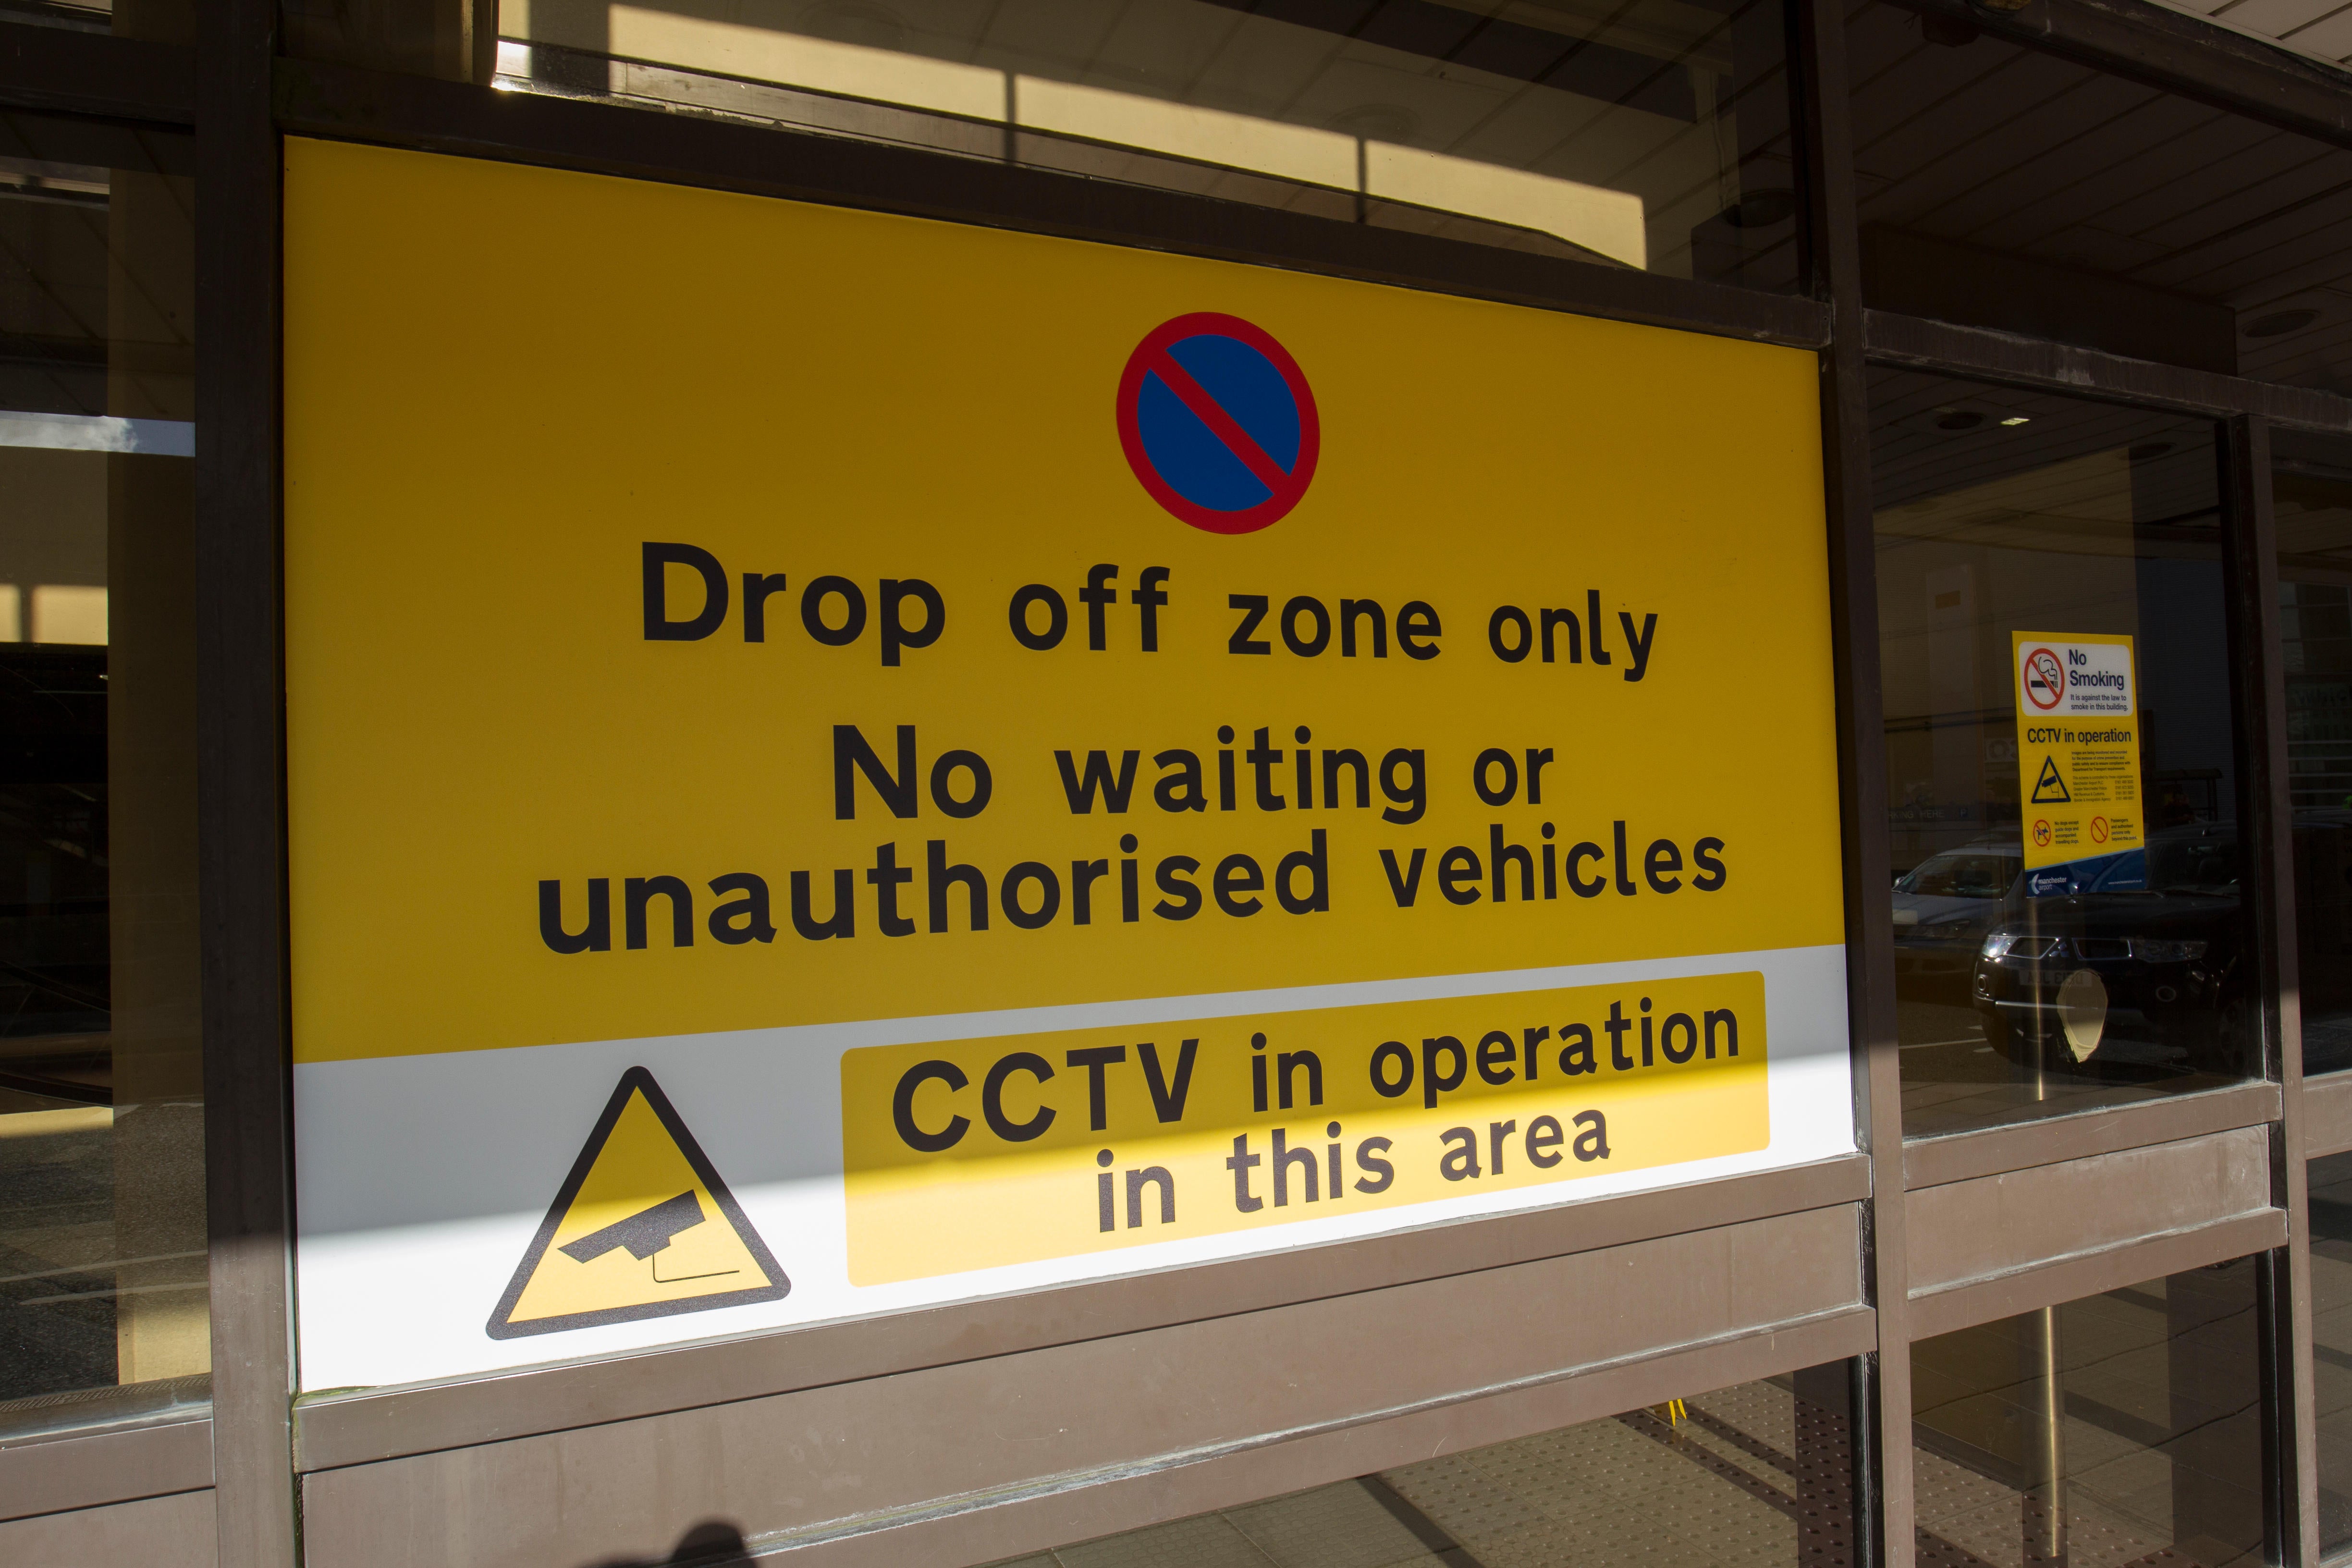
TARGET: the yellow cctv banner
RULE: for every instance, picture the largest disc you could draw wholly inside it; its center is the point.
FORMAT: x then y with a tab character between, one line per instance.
972	1153
2077	747
708	612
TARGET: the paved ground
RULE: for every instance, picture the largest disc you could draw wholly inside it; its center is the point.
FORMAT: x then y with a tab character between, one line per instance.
2161	1439
1719	1487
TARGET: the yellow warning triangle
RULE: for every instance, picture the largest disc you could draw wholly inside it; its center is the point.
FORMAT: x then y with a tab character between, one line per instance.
643	1228
2049	787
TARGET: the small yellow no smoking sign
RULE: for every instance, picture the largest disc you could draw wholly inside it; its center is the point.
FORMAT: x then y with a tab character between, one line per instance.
2077	746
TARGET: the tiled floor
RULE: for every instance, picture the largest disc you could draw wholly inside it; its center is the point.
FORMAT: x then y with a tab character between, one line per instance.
2331	1335
1978	1522
57	1171
2161	1437
60	1341
1748	1476
2160	1444
1341	1526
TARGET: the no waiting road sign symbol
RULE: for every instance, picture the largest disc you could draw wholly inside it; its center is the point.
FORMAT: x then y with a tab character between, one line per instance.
1218	422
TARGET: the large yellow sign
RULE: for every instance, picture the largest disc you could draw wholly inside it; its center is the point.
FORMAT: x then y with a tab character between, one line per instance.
729	630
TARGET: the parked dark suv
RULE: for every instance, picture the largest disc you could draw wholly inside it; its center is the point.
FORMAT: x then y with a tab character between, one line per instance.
2136	964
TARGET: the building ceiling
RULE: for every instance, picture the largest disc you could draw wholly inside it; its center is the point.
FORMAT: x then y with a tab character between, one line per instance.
2321	27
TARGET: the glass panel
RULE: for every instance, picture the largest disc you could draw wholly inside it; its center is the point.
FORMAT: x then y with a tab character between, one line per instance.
2109	978
1757	1474
2120	1429
1652	134
101	1127
2311	499
2331	1343
2004	187
165	21
452	40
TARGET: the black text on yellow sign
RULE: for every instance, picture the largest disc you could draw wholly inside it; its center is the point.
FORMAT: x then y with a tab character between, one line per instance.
975	1154
883	689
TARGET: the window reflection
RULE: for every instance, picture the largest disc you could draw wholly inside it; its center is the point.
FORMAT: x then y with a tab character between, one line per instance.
2001	186
2125	1429
167	21
2331	1349
2311	500
1651	134
1760	1473
102	1252
2112	977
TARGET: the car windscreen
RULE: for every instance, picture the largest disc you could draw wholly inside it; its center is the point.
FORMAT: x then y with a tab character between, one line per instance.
1962	874
2204	862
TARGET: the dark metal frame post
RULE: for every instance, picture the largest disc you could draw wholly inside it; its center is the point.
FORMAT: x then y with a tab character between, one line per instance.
85	73
247	1121
1940	348
2268	829
1884	1391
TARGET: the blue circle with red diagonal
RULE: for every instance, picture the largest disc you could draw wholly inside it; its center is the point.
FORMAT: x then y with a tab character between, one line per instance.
1218	422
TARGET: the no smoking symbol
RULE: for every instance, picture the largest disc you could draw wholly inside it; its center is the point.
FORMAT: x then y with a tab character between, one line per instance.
2045	679
1218	423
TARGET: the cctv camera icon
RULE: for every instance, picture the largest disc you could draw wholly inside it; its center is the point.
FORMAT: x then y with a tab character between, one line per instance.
645	1232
